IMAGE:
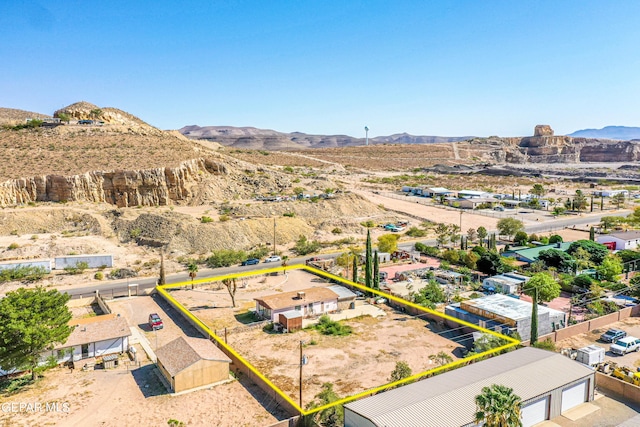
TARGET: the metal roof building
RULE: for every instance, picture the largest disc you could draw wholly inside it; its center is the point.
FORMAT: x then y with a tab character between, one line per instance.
548	384
505	314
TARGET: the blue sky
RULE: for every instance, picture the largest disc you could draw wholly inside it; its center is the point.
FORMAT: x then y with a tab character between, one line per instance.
447	68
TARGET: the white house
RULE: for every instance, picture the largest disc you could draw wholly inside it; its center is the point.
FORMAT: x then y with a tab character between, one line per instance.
623	240
472	194
93	337
308	302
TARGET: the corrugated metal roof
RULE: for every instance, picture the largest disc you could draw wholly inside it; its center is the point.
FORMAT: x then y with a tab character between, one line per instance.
448	400
504	306
343	293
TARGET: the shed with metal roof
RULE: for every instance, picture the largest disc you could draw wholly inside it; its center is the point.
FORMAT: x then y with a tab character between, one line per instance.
548	384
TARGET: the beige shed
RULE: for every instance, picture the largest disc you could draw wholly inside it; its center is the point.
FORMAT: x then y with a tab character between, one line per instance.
189	362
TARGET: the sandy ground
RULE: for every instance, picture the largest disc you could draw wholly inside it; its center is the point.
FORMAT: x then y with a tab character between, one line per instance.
354	363
128	397
363	360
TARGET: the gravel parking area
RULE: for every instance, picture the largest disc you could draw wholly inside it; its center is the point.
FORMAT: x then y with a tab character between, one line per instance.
137	309
631	325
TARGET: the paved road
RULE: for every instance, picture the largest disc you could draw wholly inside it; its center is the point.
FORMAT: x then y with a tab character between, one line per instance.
119	288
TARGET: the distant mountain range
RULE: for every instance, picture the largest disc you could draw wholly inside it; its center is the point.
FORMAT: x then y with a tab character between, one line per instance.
266	139
623	133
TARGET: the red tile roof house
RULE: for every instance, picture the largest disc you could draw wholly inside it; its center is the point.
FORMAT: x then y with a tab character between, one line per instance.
309	302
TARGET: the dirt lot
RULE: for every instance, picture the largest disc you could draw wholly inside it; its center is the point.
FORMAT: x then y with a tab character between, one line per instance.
631	325
97	398
353	363
124	397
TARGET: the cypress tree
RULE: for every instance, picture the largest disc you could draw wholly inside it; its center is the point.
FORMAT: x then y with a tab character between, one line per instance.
368	264
592	234
162	279
376	271
534	318
355	268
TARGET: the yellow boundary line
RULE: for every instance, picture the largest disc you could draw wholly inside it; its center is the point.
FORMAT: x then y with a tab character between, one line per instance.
163	290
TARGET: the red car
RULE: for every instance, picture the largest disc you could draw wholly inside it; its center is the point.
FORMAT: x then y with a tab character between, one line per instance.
155	322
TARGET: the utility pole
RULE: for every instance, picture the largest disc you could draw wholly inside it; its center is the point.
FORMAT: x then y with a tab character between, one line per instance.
366	132
301	364
274	236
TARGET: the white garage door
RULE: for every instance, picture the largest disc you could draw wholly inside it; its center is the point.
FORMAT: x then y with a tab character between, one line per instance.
535	412
574	395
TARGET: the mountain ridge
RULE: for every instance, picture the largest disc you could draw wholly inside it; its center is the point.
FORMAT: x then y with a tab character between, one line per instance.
268	139
622	133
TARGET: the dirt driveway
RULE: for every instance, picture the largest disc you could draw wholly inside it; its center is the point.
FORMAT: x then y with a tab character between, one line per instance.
631	325
137	309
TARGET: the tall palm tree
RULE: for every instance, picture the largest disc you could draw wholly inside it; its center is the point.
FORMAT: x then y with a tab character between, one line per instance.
193	271
498	406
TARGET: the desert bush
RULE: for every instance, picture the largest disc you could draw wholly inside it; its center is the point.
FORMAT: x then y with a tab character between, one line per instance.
206	219
99	275
416	232
326	326
22	272
13	246
336	231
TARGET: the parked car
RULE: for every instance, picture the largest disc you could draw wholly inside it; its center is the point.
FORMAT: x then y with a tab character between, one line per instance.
155	322
313	259
273	258
625	345
250	261
613	335
389	226
499	208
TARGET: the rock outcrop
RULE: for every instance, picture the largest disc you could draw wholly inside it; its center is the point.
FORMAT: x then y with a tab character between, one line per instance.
149	187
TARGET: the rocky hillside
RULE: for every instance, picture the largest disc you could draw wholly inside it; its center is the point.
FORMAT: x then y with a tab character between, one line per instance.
265	139
11	116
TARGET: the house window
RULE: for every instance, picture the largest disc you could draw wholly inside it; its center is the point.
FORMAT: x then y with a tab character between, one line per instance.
298	307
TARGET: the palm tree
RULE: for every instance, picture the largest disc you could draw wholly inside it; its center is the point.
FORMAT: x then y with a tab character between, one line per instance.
193	271
497	406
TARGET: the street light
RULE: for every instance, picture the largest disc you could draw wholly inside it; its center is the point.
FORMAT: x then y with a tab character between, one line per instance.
366	132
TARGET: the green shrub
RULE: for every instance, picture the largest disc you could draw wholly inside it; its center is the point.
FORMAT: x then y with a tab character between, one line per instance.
337	230
13	246
22	272
206	219
225	258
224	218
135	233
416	232
304	246
326	326
99	275
368	224
289	214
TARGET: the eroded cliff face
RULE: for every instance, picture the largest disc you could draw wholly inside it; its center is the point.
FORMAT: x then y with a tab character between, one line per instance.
149	187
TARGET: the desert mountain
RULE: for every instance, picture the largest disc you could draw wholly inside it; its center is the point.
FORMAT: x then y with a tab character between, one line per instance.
266	139
11	116
623	133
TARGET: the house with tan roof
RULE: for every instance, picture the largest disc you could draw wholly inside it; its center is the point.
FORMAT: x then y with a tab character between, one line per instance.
307	302
189	362
93	337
